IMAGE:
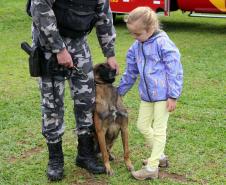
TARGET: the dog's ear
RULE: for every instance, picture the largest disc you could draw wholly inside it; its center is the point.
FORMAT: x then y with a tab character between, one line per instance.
104	73
107	74
102	68
97	71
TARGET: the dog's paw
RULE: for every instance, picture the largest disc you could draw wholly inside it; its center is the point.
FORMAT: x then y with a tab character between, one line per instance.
109	172
130	168
129	165
111	157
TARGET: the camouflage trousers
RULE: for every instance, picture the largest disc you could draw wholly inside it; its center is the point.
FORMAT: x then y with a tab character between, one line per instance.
82	93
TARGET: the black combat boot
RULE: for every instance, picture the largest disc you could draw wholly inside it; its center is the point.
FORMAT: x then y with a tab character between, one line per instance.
86	157
55	168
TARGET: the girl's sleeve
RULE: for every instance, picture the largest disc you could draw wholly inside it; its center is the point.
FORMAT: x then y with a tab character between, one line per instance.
174	70
130	75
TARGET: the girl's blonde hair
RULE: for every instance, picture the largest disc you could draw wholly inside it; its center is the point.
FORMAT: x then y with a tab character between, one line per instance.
146	16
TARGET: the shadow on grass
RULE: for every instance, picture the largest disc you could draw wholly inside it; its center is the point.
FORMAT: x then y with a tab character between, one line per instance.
198	27
193	25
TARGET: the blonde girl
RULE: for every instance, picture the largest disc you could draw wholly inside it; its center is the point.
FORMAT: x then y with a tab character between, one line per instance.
156	59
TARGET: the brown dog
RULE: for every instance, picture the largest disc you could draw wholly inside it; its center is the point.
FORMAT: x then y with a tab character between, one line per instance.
110	116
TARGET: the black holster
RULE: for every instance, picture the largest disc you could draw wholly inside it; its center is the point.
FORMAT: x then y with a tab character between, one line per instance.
39	66
36	59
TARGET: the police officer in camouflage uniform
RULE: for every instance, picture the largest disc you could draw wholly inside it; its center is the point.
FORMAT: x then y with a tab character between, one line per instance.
61	27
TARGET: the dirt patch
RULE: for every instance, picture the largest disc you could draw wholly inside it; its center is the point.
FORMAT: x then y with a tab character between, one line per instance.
85	178
25	155
178	178
90	182
172	176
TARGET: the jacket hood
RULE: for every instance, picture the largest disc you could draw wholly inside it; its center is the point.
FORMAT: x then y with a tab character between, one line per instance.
157	34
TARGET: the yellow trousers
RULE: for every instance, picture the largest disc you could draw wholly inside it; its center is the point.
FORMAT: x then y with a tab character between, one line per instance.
152	123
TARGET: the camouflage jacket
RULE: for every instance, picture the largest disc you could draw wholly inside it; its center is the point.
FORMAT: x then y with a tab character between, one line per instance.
45	27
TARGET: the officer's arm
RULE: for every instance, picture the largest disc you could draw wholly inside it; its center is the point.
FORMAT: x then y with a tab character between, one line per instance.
105	29
45	21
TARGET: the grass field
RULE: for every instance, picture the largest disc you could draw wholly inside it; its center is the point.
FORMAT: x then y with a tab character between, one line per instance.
196	132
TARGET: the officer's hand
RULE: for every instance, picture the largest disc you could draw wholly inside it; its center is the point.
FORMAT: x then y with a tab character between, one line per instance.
64	58
113	64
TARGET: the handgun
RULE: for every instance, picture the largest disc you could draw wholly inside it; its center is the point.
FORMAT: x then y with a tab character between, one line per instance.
26	47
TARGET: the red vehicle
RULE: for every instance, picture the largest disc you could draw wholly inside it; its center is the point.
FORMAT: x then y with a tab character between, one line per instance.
193	6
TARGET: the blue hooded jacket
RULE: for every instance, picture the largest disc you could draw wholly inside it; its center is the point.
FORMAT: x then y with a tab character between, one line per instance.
157	61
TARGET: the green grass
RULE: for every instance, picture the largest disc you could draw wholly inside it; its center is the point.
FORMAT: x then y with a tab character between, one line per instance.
196	131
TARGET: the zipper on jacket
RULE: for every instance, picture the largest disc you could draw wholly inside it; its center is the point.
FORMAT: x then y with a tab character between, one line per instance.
144	72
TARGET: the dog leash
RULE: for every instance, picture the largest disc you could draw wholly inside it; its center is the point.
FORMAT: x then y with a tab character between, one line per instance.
79	71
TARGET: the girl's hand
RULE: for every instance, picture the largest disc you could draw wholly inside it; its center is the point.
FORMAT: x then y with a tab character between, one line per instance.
171	104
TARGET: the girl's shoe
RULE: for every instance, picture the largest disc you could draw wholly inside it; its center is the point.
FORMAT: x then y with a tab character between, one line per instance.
146	173
163	162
